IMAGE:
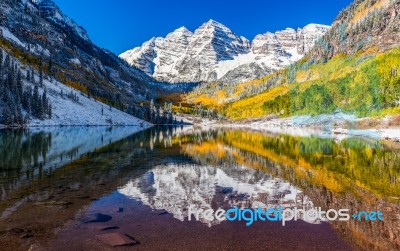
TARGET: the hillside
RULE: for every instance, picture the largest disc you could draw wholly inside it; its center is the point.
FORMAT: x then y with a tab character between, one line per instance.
362	25
30	99
338	74
365	84
44	40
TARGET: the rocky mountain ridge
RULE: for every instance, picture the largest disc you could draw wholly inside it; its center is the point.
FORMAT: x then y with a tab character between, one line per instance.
214	52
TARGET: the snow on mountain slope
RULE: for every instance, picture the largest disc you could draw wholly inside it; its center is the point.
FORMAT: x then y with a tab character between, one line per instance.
86	111
41	32
50	10
10	36
70	106
213	52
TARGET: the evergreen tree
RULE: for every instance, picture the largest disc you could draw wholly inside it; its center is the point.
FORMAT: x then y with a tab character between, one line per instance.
49	111
35	102
40	74
19	85
1	65
28	75
15	97
45	105
51	66
32	75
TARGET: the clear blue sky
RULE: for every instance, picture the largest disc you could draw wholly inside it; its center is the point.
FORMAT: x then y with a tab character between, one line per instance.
123	24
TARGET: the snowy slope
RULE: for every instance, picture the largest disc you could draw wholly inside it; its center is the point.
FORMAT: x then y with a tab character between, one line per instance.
10	37
39	29
213	52
85	112
71	107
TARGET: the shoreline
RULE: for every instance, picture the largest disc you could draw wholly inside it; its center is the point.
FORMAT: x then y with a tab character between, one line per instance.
337	126
389	134
143	126
295	126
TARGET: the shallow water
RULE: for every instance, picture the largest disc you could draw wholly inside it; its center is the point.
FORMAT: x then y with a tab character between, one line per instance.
62	188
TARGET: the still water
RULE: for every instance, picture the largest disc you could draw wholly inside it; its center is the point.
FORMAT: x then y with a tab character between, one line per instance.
64	188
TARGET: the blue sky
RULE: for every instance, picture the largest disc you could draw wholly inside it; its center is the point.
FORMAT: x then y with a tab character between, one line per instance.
123	24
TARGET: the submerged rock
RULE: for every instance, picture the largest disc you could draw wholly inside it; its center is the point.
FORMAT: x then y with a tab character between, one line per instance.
105	227
116	239
98	218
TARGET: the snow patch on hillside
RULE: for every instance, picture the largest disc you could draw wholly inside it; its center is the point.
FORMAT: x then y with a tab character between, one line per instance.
75	61
268	61
7	34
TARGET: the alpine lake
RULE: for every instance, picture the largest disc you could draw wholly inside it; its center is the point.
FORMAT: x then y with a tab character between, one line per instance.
117	188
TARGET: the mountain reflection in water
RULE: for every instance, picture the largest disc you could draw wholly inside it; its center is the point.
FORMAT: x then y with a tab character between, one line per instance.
239	168
175	188
52	175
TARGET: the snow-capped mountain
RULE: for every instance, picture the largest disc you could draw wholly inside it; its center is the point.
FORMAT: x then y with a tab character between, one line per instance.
51	11
37	36
213	52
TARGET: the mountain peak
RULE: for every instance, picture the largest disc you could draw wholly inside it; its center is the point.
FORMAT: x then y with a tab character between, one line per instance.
50	10
212	22
182	29
180	33
313	26
37	1
215	24
213	50
43	2
316	25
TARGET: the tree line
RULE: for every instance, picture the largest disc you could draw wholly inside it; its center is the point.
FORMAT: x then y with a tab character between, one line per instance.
19	103
160	114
